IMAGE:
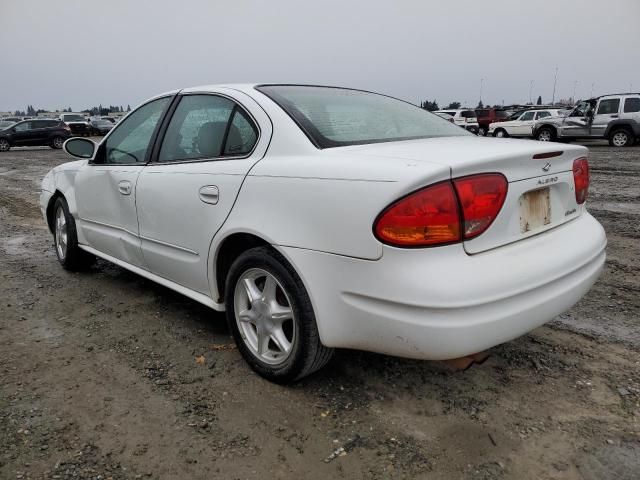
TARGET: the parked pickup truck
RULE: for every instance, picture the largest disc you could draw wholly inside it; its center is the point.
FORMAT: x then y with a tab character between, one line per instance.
612	117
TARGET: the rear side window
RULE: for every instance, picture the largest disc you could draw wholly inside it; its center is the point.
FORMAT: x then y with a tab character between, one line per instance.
632	105
242	135
543	114
207	126
611	105
468	114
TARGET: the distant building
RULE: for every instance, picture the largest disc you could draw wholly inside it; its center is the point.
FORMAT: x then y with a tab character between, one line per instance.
6	114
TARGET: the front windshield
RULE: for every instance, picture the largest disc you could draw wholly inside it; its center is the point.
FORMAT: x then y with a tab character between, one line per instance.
336	117
515	116
581	110
73	118
102	123
6	124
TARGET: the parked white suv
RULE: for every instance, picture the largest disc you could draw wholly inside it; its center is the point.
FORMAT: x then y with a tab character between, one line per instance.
520	124
613	117
463	117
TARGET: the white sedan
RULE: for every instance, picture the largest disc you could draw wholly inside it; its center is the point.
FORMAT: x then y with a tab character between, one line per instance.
520	124
323	218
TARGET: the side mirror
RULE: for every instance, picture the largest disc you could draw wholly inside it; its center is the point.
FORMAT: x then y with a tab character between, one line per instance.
80	147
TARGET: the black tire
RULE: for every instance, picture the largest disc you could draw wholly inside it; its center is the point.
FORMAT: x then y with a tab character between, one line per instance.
621	137
500	132
544	133
73	257
57	142
4	145
307	353
482	132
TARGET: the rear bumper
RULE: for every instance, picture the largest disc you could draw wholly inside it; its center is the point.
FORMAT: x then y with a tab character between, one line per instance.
441	303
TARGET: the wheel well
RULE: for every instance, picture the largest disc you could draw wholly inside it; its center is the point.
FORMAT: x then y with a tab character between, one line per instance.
619	126
52	202
230	249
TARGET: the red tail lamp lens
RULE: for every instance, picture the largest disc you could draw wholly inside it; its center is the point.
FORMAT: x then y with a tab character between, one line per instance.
426	217
581	179
481	198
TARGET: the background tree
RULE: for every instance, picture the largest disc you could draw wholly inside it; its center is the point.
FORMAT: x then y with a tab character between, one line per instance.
539	102
128	108
454	105
430	106
480	105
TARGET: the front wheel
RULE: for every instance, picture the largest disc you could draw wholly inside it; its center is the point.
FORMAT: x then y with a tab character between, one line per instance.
271	317
621	138
501	133
65	239
4	145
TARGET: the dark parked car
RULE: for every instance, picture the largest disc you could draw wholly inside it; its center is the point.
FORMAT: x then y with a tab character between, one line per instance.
51	133
487	116
100	127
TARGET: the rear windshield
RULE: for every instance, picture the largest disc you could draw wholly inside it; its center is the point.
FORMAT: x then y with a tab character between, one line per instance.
337	117
468	114
483	113
502	114
73	118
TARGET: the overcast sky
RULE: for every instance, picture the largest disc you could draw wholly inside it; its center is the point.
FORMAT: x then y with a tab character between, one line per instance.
81	53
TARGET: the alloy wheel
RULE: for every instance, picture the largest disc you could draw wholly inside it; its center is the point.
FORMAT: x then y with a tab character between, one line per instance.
544	136
61	233
620	139
57	142
4	145
264	316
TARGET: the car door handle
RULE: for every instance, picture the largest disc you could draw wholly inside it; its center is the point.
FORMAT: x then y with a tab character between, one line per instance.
124	187
209	194
614	116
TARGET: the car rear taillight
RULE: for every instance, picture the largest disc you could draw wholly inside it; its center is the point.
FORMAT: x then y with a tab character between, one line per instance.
481	198
581	179
447	212
427	217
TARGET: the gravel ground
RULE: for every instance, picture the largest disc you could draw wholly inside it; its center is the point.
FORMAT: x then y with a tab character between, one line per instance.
104	374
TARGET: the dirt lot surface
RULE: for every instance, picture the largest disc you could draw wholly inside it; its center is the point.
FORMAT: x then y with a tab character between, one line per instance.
106	375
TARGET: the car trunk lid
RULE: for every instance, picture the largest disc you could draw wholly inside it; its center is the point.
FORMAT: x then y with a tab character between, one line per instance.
541	192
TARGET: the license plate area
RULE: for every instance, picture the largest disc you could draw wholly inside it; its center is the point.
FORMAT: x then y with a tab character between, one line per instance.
535	210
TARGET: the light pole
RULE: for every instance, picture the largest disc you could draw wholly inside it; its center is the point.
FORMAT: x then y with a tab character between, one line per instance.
530	90
555	81
575	84
481	81
593	84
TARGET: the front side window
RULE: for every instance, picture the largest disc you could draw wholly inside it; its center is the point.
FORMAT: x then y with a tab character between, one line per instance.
129	142
207	126
336	117
527	116
608	106
23	127
632	105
